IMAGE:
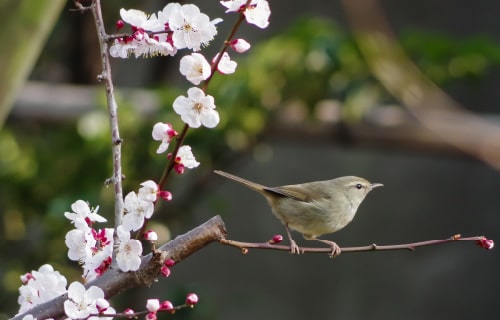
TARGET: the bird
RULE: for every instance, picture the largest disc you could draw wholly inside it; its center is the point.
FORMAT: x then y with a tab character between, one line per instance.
313	208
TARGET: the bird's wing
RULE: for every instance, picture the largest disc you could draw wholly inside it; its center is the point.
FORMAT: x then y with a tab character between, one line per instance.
312	192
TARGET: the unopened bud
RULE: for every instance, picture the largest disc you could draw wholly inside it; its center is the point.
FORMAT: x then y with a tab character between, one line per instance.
277	238
191	299
119	24
485	243
167	306
150	235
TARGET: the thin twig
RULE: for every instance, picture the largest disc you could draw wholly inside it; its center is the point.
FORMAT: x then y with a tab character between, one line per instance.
244	246
181	137
204	87
170	166
106	76
223	49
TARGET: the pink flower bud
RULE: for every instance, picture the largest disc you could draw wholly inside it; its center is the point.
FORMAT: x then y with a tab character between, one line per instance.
171	132
130	312
26	278
165	271
150	235
169	262
191	299
165	195
485	243
119	24
167	306
277	238
179	168
151	316
240	45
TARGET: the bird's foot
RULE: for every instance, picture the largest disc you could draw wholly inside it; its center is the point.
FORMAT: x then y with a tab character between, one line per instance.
294	248
335	248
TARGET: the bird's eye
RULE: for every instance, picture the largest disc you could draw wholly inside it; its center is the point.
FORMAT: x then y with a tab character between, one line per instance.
359	186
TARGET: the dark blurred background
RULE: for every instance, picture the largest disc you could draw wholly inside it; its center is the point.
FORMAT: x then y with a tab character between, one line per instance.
302	106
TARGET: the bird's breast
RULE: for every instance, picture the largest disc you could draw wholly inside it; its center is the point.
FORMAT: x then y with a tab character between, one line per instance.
314	218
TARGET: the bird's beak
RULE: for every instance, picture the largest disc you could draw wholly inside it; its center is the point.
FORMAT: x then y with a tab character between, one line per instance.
375	185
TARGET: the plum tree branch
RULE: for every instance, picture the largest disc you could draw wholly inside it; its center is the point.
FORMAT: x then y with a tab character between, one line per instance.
115	281
244	246
107	77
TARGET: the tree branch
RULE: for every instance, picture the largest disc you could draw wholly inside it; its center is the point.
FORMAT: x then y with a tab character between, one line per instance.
116	140
114	281
244	246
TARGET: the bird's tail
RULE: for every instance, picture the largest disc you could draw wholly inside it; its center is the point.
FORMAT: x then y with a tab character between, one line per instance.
252	185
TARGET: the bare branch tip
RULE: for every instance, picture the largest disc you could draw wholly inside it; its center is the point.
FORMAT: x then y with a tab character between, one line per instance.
80	7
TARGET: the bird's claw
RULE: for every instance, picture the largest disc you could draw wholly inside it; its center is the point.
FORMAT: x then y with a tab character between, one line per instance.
294	248
335	250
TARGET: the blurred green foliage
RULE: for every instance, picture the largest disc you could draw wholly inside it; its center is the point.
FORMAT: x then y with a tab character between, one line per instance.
44	167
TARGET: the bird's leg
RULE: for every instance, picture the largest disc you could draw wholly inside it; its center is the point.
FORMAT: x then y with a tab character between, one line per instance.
335	248
294	248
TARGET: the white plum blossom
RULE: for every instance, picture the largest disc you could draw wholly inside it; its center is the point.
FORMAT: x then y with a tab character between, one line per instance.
140	20
136	210
141	44
163	132
43	285
82	302
197	109
148	191
257	12
225	65
186	157
80	244
82	216
90	247
175	27
240	45
191	28
233	5
97	264
154	46
195	68
136	18
128	255
121	49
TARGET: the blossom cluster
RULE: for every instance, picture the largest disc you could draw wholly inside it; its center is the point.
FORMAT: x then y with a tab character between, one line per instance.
93	248
164	33
40	286
82	303
179	27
